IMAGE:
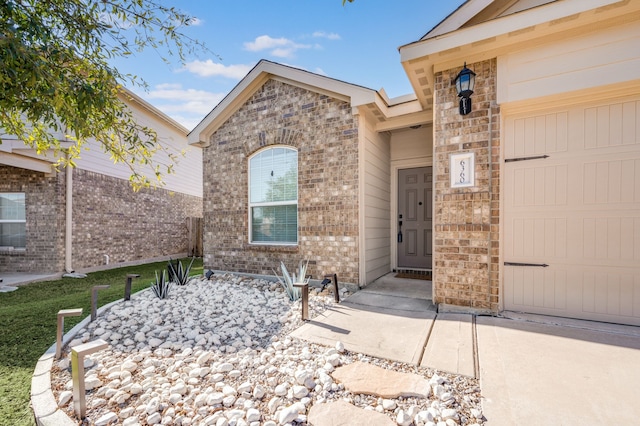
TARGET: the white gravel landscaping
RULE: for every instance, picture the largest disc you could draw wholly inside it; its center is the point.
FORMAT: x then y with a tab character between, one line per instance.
218	353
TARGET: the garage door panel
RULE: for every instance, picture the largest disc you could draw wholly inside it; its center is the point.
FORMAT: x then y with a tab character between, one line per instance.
612	125
612	293
577	211
546	185
540	287
538	135
609	241
612	296
536	238
611	181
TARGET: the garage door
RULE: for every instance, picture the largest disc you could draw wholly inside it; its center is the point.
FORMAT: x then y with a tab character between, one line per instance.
572	212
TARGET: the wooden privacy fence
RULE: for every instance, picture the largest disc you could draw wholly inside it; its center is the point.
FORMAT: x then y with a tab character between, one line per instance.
194	232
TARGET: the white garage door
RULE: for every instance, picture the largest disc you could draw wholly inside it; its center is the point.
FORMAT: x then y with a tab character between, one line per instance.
572	219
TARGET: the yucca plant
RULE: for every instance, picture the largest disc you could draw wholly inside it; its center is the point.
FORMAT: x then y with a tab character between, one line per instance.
161	287
177	274
287	280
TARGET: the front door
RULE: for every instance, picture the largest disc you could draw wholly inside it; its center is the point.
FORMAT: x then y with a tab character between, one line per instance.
415	202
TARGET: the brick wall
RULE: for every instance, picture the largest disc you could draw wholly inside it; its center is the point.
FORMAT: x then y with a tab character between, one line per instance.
110	218
44	208
324	131
467	219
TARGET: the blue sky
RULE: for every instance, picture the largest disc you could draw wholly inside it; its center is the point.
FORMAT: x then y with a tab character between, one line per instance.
357	43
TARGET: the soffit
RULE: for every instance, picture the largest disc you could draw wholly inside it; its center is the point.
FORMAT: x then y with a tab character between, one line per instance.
517	31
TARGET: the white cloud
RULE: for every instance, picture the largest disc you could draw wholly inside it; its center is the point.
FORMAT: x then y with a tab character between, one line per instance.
209	68
279	47
196	22
329	36
265	42
187	106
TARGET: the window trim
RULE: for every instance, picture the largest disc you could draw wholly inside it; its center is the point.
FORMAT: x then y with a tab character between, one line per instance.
272	204
12	248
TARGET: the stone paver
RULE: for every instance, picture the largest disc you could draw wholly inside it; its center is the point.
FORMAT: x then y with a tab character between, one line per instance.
363	378
341	413
450	346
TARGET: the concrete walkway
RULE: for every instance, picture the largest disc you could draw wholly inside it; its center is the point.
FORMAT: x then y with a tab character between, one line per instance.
394	318
10	280
533	370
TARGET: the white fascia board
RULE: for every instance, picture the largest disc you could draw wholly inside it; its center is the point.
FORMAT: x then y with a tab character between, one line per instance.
196	137
358	95
17	146
405	120
458	18
27	163
499	26
404	108
129	96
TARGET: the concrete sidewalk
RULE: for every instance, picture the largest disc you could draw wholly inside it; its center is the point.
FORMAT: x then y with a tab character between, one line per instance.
395	319
533	370
10	280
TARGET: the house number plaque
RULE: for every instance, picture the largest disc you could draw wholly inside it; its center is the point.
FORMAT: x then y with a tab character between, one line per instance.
462	169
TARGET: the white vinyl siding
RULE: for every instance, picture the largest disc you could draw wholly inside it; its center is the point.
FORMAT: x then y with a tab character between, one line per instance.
12	220
594	60
273	196
186	177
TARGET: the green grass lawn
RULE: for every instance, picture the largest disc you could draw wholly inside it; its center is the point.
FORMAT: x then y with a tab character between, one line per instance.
28	326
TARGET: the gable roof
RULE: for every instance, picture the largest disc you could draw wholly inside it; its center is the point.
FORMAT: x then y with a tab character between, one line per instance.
472	12
376	101
482	29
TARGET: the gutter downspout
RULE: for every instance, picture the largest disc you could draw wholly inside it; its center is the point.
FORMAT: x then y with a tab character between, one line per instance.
68	235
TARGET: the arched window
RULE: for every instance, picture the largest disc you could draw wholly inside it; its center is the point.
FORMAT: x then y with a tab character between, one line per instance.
273	196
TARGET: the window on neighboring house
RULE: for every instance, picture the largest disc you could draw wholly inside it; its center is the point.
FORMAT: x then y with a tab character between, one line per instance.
12	220
273	196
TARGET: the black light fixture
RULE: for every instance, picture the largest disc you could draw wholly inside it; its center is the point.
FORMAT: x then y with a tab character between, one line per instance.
465	82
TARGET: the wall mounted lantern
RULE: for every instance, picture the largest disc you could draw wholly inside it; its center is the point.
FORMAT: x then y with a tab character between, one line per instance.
465	82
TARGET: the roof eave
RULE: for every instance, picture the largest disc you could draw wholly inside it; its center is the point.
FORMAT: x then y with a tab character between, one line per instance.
263	71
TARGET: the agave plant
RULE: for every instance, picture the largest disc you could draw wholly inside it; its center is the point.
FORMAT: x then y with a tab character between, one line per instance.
177	274
287	280
161	287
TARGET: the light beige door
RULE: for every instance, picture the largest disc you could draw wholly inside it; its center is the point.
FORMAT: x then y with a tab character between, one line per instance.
572	212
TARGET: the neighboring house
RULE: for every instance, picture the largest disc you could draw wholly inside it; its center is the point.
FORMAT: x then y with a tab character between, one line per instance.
529	203
87	216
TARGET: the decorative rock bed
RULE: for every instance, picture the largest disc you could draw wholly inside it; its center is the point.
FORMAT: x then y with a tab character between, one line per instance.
217	353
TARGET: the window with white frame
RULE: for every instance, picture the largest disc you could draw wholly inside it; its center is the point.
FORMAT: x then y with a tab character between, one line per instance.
273	196
12	220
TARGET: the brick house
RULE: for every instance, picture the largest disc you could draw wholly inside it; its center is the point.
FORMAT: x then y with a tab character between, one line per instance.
531	202
84	217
